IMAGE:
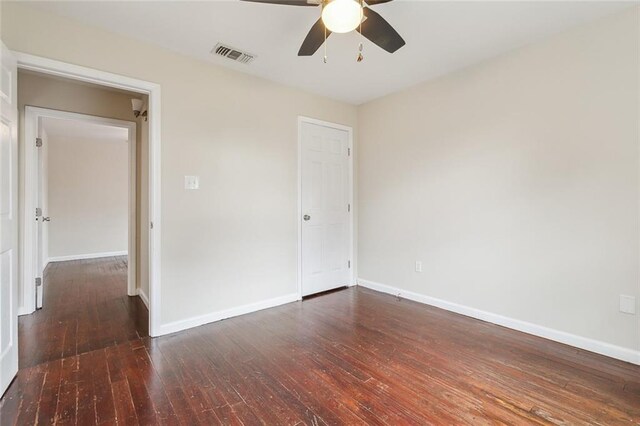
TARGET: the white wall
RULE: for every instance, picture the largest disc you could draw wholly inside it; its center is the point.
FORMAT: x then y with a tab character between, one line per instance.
88	196
233	242
515	182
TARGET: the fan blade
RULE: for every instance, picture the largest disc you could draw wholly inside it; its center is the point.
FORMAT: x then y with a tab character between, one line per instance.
314	39
374	2
379	31
285	2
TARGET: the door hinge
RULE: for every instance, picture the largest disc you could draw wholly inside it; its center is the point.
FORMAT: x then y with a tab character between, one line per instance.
38	142
348	207
349	264
38	282
38	212
151	225
349	152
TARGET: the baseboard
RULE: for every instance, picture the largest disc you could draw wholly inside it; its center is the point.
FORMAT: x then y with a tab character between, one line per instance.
143	296
176	326
24	311
86	256
591	345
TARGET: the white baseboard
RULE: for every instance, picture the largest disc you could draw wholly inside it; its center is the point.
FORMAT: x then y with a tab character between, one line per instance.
176	326
143	296
86	256
599	347
24	311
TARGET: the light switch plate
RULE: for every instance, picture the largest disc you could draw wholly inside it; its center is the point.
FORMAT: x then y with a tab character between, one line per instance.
191	182
627	304
418	266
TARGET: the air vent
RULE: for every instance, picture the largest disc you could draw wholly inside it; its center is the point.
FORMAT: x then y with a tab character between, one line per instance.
232	53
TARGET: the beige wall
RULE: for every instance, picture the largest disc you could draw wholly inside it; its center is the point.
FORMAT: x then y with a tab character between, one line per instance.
233	242
88	190
515	182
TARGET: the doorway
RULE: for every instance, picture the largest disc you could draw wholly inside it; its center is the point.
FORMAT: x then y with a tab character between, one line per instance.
87	159
152	222
325	209
20	188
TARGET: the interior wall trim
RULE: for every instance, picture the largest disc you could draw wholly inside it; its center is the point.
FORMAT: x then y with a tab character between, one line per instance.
143	296
352	202
153	90
591	345
196	321
86	256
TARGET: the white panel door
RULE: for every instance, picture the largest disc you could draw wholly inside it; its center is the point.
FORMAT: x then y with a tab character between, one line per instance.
8	219
325	192
40	220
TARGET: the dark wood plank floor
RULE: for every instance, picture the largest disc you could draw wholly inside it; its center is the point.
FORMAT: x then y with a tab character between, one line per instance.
85	307
349	357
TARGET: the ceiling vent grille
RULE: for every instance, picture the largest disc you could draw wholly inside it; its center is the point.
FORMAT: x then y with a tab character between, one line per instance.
232	53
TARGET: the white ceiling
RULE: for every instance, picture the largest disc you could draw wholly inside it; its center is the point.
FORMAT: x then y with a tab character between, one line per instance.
77	129
441	37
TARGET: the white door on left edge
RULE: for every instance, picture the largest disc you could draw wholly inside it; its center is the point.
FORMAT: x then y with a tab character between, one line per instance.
8	219
325	194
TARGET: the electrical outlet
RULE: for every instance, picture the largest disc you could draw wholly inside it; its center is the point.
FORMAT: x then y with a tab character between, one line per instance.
191	182
627	304
418	266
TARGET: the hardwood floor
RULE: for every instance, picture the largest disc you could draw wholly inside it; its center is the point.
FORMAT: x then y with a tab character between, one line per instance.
349	357
85	307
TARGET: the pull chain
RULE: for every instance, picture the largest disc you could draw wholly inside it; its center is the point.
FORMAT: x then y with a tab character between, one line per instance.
360	46
325	43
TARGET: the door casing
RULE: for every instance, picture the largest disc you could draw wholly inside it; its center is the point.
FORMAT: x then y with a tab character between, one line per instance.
32	119
153	91
349	130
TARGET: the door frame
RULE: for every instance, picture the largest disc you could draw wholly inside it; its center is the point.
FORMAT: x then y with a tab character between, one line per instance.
301	120
152	90
32	116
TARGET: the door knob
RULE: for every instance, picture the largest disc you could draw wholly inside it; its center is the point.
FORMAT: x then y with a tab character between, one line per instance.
306	217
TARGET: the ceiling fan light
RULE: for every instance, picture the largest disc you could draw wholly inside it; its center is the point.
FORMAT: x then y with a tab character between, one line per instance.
342	16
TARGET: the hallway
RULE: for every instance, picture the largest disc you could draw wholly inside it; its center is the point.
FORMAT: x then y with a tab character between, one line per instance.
85	308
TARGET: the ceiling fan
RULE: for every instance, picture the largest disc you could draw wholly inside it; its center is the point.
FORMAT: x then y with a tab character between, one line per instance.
343	16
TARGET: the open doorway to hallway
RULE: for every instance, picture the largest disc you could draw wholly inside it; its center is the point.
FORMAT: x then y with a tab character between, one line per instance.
89	188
